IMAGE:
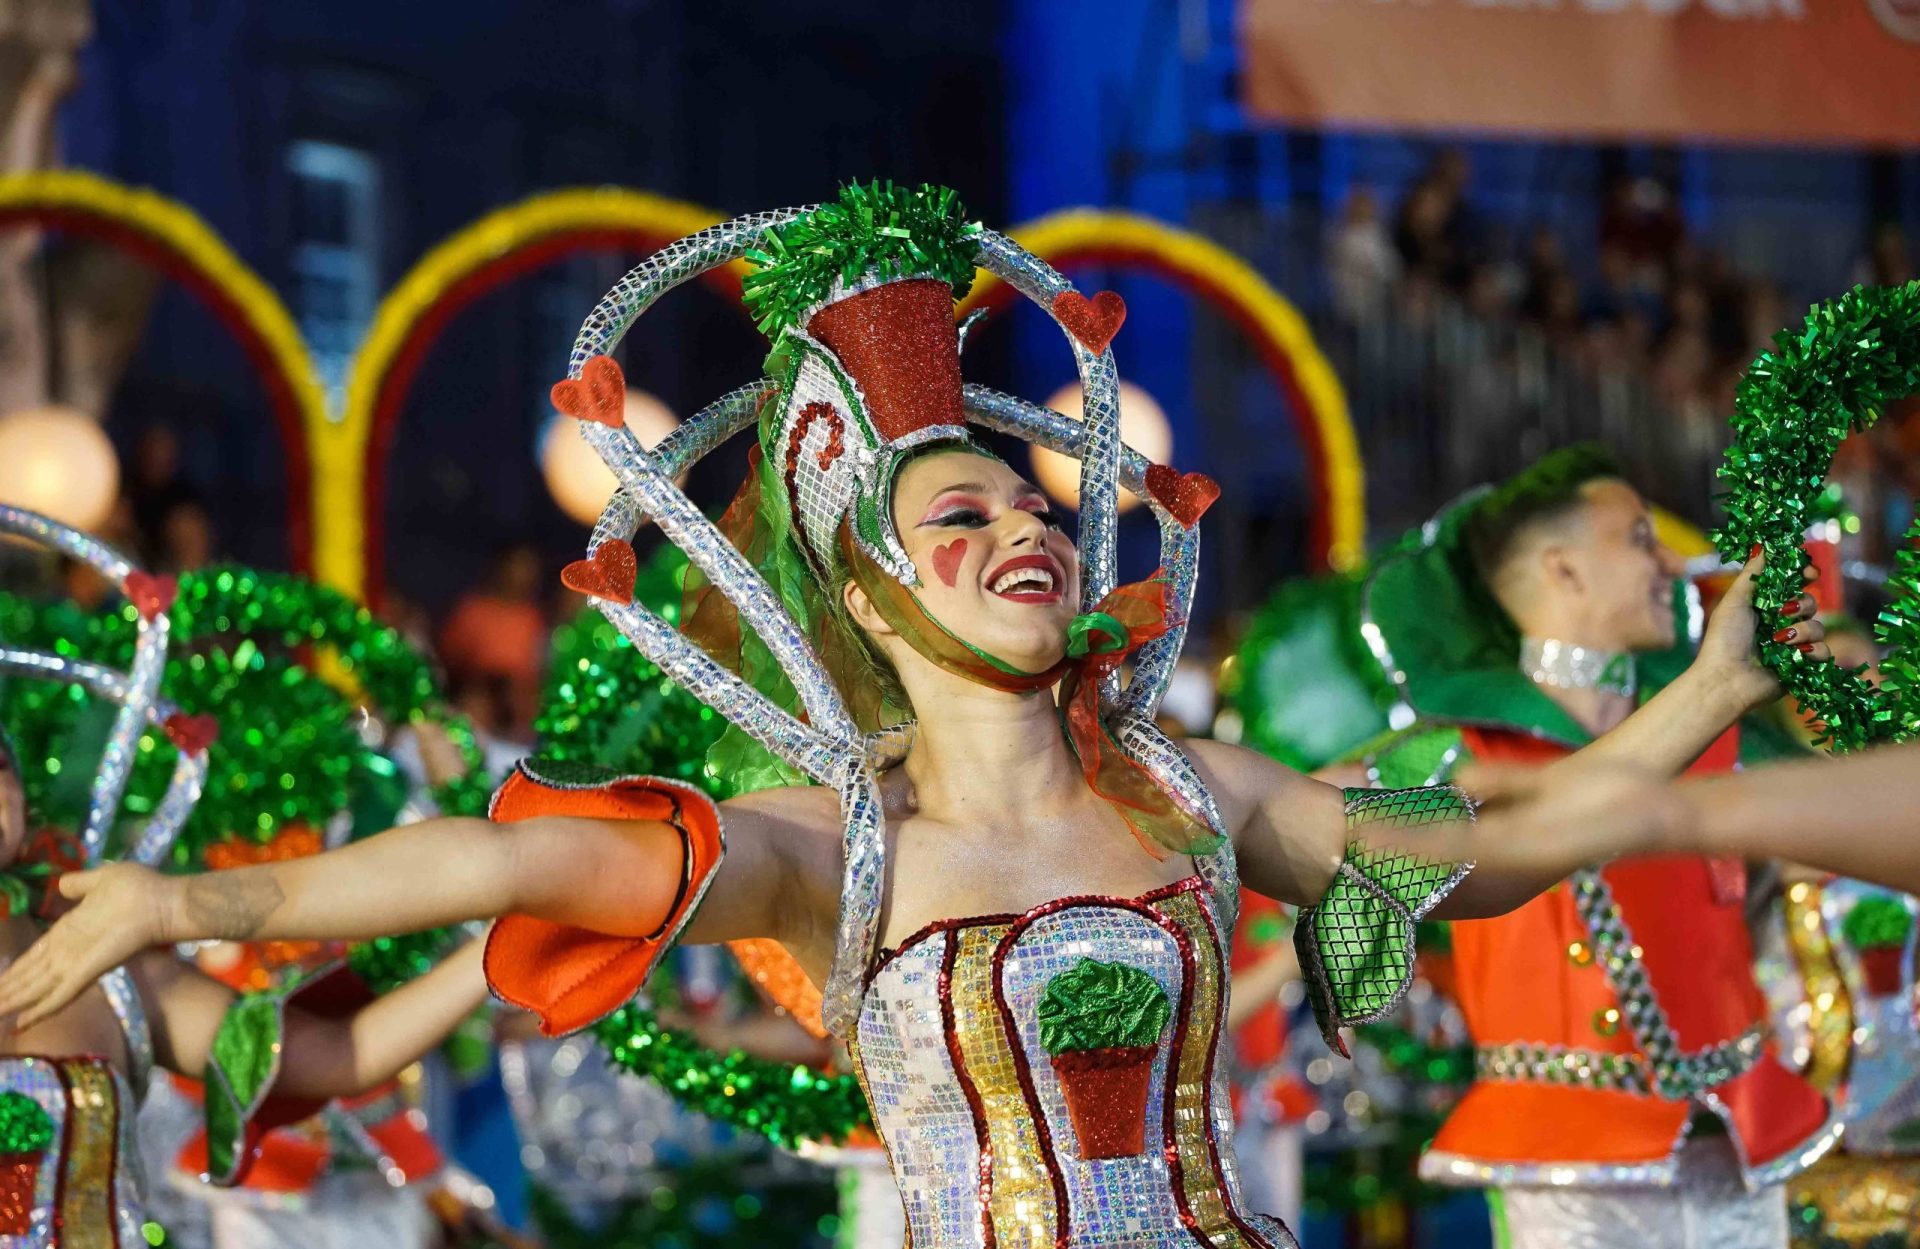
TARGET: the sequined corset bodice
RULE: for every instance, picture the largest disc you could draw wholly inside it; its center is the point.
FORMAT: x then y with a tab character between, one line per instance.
80	1190
974	1110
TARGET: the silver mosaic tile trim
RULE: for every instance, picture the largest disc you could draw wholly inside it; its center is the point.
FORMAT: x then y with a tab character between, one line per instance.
1676	1072
667	268
1583	1068
137	693
1441	1167
123	998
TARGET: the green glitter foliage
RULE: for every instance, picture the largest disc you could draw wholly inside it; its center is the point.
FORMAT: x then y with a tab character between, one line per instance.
25	1127
1094	1005
1877	922
289	750
1851	357
879	229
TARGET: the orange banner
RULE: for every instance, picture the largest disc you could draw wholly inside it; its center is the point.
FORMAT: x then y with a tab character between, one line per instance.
1773	71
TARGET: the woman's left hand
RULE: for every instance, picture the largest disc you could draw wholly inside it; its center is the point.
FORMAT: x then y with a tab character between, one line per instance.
1729	652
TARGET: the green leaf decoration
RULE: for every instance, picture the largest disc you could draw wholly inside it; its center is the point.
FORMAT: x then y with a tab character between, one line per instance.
25	1127
1877	922
1851	357
1094	1005
878	229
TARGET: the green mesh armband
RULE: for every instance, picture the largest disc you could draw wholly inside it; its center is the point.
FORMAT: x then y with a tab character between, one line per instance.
1356	943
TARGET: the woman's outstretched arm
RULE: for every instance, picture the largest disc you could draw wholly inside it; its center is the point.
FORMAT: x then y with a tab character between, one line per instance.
619	877
1857	816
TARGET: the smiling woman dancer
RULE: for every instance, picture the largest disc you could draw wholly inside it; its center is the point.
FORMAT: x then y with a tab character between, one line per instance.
1016	907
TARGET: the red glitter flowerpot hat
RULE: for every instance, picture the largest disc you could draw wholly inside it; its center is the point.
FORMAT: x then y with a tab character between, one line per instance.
858	298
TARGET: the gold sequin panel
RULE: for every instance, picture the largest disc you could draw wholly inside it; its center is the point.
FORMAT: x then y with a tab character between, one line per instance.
87	1208
1021	1198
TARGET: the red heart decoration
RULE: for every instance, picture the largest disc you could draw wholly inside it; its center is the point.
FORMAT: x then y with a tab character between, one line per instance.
599	394
1186	496
608	573
1093	321
151	595
946	559
192	734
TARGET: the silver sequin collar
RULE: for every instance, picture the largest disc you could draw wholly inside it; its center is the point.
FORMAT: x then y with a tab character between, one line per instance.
1549	661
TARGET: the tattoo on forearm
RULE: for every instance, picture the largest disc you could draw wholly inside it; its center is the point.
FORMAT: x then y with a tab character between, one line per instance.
232	905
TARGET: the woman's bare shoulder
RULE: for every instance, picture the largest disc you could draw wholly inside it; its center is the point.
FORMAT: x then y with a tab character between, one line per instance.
812	808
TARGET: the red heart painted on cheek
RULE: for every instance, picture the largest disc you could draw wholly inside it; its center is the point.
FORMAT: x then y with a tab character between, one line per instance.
946	560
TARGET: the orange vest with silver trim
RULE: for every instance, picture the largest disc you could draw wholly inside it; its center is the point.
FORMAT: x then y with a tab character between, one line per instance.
1610	1011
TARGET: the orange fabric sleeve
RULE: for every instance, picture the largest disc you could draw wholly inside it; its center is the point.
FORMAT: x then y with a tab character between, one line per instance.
571	977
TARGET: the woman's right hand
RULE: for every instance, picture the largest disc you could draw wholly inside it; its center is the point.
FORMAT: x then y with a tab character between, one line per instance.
123	910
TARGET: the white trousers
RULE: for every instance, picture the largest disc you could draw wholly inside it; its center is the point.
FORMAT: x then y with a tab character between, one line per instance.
1706	1208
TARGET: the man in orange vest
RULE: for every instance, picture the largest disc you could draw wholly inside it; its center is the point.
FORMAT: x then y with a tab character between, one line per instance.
1628	1091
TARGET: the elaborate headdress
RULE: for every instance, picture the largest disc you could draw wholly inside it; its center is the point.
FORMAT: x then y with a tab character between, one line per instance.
864	371
136	692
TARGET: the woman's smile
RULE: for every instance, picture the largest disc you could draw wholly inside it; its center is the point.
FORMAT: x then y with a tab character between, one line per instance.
1028	579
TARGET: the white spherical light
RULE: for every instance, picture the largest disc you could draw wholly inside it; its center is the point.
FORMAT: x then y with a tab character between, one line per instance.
58	461
1143	426
579	482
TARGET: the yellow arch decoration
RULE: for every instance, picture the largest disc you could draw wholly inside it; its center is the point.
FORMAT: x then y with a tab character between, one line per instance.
340	447
177	241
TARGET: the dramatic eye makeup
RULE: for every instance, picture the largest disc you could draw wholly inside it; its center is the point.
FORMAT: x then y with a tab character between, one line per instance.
957	505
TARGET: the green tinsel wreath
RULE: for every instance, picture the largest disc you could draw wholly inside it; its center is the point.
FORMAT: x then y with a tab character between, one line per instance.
608	705
1851	357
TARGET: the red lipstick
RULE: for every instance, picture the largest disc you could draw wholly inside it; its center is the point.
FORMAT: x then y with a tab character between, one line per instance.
1029	591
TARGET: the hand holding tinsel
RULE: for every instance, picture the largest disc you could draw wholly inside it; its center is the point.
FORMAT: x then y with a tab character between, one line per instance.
1738	631
1849	359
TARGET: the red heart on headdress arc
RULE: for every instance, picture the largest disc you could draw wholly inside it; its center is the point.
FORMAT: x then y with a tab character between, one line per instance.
151	595
192	734
599	394
608	573
1186	496
1094	321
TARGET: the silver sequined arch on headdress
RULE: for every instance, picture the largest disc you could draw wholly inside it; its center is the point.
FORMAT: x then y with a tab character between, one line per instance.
829	746
137	691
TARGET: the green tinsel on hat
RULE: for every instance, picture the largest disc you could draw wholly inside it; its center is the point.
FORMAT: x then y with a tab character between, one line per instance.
874	229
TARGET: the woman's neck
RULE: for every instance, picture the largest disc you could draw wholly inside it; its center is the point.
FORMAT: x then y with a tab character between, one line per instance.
987	754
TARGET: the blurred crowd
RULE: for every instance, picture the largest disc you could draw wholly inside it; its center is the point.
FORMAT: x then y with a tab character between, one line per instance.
1646	301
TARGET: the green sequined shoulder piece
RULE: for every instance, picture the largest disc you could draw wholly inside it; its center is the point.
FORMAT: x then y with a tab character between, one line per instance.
1426	754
